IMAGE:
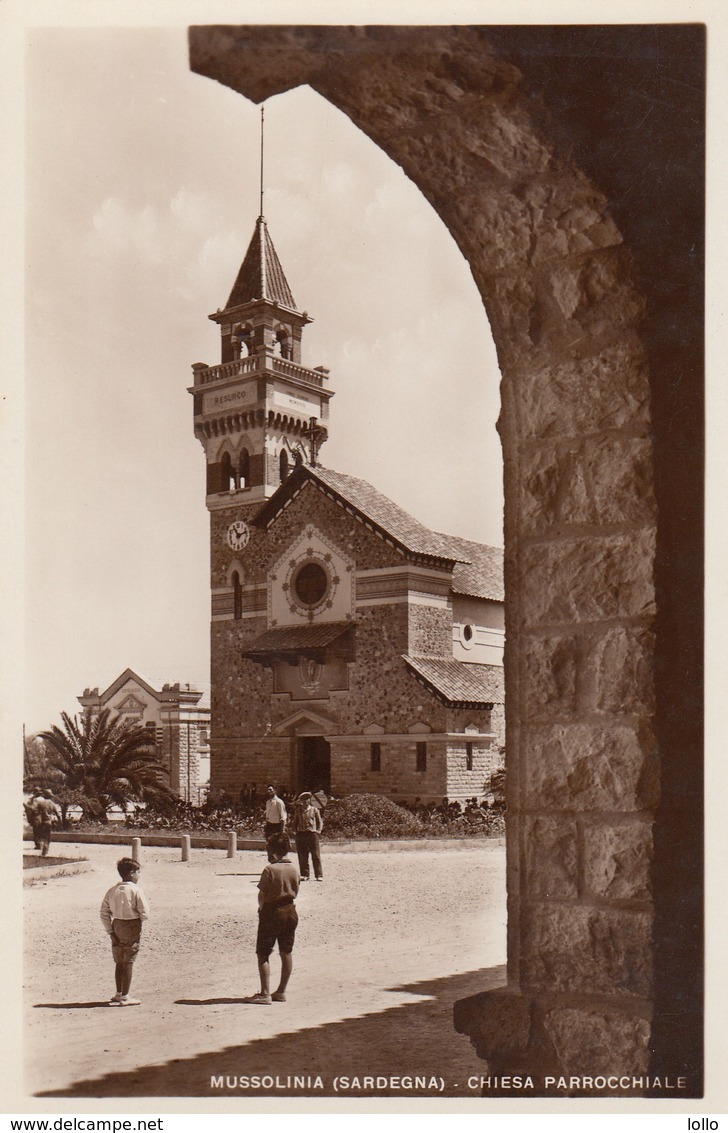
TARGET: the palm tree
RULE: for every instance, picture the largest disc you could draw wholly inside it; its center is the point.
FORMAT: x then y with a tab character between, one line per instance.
106	761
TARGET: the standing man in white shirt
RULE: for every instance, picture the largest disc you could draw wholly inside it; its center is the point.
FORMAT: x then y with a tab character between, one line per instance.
123	910
275	815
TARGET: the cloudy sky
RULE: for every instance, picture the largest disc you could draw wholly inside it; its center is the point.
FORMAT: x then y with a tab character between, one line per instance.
141	197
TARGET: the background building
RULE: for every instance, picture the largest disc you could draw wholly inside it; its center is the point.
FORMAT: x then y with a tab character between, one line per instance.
179	722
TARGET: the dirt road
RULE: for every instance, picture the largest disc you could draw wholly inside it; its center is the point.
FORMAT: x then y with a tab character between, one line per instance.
385	946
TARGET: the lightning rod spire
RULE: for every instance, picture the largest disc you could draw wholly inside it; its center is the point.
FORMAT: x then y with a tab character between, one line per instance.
262	113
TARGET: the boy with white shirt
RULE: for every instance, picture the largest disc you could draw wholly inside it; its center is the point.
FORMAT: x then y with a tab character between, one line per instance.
123	910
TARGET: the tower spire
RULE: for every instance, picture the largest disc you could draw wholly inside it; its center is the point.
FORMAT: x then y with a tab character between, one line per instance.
262	113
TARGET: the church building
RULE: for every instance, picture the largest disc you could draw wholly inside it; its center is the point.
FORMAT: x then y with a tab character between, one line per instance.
352	649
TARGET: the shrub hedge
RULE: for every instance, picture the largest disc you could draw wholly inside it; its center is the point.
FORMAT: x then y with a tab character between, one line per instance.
355	817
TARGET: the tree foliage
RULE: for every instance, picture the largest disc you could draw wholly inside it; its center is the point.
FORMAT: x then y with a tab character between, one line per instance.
104	761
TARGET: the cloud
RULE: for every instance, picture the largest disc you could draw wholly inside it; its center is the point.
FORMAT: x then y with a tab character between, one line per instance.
172	239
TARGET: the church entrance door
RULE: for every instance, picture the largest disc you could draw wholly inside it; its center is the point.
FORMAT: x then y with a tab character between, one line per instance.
314	764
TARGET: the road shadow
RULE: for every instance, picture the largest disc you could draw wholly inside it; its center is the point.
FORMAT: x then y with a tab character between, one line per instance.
71	1006
238	873
209	1002
414	1039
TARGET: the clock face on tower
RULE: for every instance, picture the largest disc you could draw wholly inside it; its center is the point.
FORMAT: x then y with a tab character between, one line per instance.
237	535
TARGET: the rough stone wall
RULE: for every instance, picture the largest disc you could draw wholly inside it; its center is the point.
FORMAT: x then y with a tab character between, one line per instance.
430	631
170	756
382	690
498	725
532	144
189	760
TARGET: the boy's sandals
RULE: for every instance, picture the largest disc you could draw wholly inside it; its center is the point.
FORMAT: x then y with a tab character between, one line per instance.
258	998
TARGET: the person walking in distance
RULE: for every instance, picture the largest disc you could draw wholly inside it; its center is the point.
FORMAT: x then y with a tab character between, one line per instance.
275	816
277	918
43	814
123	910
307	823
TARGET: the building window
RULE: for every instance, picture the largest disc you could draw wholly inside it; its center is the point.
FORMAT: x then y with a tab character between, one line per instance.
375	753
226	473
467	635
244	466
237	597
310	584
283	345
421	764
283	462
468	757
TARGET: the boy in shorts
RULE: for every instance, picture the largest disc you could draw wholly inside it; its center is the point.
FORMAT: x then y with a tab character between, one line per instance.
277	918
122	911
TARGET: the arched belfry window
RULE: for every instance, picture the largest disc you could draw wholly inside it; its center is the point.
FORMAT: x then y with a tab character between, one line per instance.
226	472
283	463
244	467
241	342
237	597
283	344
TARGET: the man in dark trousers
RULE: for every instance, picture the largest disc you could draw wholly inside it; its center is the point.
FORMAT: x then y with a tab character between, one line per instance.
306	824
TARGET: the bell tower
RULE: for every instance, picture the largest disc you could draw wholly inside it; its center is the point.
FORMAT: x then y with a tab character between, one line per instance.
260	411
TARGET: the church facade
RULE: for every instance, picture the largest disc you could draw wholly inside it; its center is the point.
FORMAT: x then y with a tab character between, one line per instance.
352	648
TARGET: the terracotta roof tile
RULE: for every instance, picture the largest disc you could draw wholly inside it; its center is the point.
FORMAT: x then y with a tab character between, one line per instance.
482	576
290	639
458	682
261	275
388	516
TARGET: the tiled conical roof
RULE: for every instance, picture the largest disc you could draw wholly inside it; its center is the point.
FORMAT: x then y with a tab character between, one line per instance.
261	275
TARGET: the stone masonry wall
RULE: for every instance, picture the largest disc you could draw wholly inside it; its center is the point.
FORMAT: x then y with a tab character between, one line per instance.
382	690
464	784
398	778
256	760
430	631
531	144
265	547
189	760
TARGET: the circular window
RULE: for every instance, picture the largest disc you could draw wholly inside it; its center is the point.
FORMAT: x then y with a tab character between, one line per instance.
310	584
467	633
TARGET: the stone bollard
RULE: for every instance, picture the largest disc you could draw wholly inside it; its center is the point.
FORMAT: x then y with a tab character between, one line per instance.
185	842
232	843
136	849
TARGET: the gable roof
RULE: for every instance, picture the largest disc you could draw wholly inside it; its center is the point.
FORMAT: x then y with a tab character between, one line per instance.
261	275
459	683
482	575
371	506
122	679
477	568
184	693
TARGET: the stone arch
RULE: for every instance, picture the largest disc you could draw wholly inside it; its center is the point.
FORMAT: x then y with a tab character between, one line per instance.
531	145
